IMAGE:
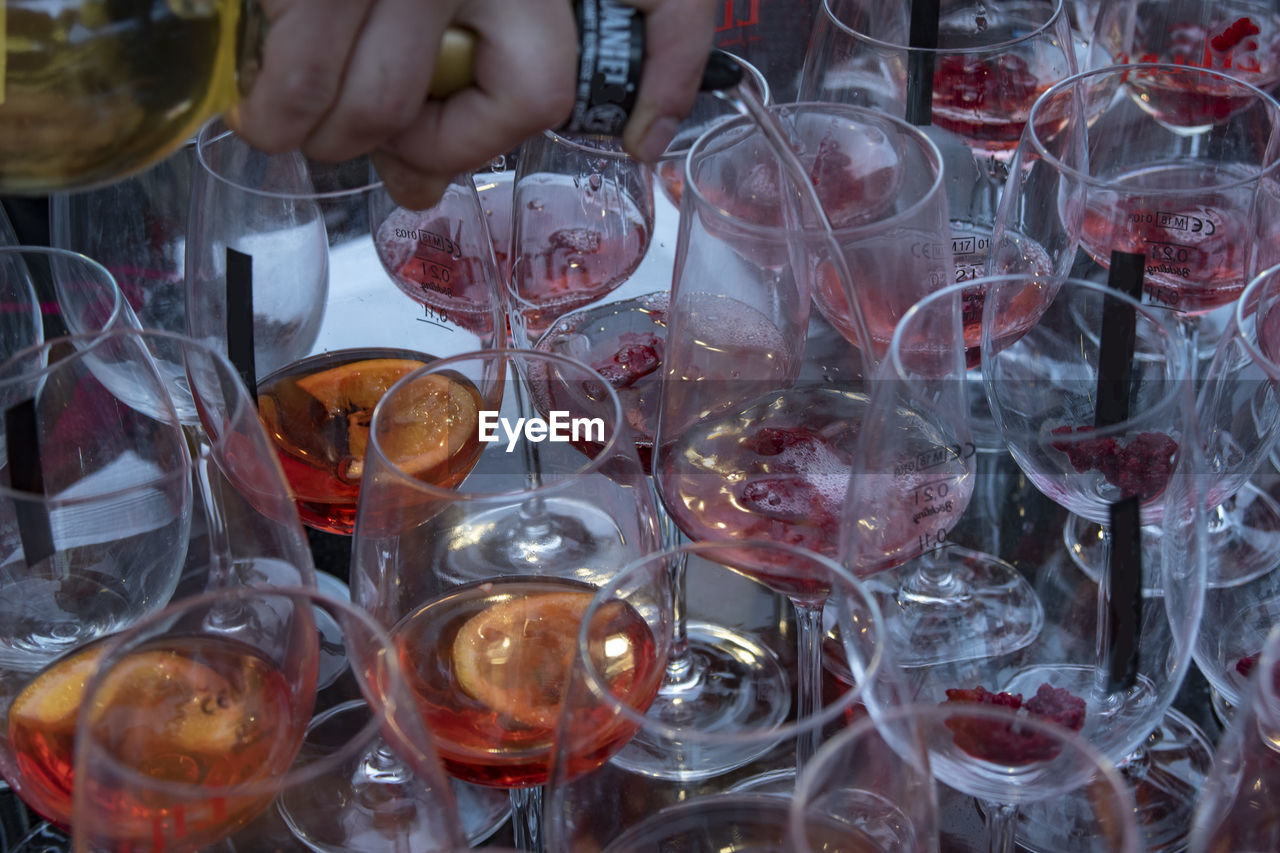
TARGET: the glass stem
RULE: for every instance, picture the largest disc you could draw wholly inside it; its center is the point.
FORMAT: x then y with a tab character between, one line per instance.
526	819
1002	829
808	674
221	564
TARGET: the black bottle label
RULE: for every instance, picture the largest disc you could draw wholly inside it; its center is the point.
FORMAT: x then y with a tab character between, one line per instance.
609	63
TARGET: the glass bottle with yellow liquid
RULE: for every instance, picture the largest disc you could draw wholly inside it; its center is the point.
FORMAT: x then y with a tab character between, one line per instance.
94	90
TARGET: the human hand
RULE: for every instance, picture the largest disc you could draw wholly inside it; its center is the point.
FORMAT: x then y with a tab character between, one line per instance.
678	39
340	78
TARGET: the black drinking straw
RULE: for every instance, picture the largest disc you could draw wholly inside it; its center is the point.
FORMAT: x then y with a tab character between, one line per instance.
923	41
1124	594
22	446
1124	565
240	318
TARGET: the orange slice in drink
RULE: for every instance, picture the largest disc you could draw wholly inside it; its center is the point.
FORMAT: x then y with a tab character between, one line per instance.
440	418
351	391
51	702
172	700
514	656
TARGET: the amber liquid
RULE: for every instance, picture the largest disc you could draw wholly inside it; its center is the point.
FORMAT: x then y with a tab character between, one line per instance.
195	711
90	92
322	449
482	741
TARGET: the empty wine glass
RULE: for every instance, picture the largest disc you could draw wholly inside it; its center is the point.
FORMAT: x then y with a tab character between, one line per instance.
1239	614
1004	758
1235	810
483	575
189	732
1093	425
145	250
322	292
21	323
655	792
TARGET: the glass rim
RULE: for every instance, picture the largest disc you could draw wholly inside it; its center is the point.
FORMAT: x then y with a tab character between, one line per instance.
99	269
709	209
90	342
1179	384
511	355
916	713
762	87
216	131
390	673
1059	11
1068	83
826	713
1247	303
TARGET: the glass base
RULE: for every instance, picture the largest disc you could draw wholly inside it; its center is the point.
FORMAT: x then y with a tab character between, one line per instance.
1166	774
731	684
45	838
954	604
1243	540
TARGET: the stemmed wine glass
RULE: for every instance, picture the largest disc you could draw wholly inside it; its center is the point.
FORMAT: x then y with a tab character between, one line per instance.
1005	758
582	222
189	732
1239	615
323	293
93	540
1096	406
915	473
968	74
1235	810
21	323
484	579
761	392
1236	37
1183	191
145	250
667	800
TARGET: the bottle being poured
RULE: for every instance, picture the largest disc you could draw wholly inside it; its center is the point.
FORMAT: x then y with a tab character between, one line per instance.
91	92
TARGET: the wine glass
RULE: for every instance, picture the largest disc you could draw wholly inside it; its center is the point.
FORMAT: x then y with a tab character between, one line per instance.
1235	37
1238	615
94	539
761	398
667	800
862	781
1185	191
1007	759
483	575
21	323
190	731
582	221
323	293
1234	810
1095	403
146	250
969	76
915	473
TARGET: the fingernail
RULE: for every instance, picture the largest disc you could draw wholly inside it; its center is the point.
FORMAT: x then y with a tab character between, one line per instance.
656	139
408	187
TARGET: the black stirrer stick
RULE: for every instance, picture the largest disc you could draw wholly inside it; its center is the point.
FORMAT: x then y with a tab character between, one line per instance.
923	40
22	447
240	318
1124	565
